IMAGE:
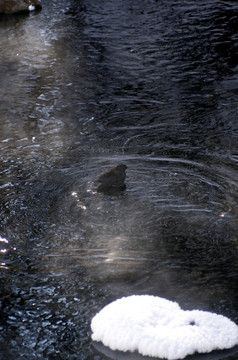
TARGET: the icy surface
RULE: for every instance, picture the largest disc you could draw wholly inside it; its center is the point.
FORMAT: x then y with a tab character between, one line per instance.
157	327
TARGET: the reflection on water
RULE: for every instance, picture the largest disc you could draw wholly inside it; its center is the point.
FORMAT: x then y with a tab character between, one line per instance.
89	85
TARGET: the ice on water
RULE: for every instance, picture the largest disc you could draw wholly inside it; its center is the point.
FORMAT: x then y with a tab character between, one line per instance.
158	327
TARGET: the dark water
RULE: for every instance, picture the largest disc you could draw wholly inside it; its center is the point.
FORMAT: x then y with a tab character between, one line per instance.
86	85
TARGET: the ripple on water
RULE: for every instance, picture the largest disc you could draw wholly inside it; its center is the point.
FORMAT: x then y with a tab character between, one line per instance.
87	86
172	212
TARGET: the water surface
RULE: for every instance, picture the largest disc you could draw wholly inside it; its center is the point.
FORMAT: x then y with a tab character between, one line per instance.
87	85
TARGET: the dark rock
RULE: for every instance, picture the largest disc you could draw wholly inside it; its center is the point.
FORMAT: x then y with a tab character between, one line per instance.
15	6
113	179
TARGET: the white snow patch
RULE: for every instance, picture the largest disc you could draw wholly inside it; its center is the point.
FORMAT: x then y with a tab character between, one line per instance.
158	327
31	8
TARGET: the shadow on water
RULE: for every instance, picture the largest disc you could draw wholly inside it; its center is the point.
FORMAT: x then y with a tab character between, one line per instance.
88	85
118	355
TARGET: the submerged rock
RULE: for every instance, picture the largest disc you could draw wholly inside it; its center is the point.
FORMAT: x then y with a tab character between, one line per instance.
113	179
15	6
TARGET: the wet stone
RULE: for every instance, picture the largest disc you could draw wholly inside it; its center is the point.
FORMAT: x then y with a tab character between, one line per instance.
15	6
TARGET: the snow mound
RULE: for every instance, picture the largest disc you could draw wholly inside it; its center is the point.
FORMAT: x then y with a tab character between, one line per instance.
158	327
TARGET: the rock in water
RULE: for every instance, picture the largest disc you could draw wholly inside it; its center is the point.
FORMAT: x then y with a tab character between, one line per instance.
15	6
113	179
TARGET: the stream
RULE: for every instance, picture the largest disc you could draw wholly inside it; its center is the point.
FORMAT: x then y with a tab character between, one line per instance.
87	85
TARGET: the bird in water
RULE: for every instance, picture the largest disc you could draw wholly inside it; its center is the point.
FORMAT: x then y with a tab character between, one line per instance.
112	179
